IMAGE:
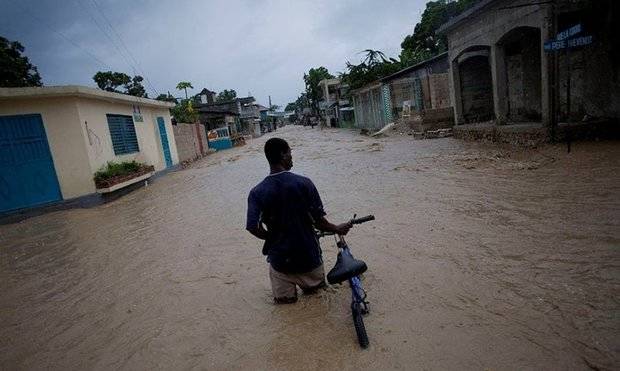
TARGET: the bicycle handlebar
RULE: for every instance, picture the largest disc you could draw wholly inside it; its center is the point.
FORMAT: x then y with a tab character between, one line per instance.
363	219
353	221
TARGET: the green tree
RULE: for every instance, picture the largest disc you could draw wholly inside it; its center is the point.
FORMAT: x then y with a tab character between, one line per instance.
374	66
15	68
226	95
291	107
111	81
313	91
135	87
184	112
424	42
167	98
274	107
114	81
184	85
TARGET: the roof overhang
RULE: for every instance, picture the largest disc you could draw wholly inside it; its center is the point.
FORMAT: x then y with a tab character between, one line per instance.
414	67
455	21
79	92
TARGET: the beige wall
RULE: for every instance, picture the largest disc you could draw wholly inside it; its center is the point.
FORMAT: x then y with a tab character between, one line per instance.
188	144
79	152
62	126
100	151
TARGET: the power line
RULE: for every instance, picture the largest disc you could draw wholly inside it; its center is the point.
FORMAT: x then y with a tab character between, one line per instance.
42	21
112	41
105	33
105	18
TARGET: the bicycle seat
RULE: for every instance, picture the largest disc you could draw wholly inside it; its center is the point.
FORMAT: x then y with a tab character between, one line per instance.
346	267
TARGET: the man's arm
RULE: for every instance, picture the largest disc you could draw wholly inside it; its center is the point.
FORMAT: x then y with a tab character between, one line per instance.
258	231
318	214
253	224
324	225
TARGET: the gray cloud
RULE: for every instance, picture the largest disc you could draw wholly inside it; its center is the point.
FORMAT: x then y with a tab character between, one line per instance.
262	47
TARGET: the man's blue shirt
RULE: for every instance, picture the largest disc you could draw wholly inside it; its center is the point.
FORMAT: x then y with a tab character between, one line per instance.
287	204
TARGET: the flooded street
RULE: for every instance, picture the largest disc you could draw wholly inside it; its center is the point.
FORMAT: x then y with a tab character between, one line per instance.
481	257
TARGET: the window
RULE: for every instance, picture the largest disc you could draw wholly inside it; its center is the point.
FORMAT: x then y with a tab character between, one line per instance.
123	133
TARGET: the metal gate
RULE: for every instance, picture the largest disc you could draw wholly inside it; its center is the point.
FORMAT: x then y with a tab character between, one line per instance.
27	174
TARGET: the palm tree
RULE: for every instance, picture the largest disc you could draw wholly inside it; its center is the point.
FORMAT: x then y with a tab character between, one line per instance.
374	57
183	85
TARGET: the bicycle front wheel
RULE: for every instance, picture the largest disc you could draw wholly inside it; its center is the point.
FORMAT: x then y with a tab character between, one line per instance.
360	329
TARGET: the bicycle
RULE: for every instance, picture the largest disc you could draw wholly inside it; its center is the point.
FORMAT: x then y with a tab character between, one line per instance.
348	268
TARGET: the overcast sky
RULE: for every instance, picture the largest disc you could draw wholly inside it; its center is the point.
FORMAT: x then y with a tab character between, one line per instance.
261	47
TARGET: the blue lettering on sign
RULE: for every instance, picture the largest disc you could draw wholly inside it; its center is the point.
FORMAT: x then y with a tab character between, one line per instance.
574	30
580	41
555	45
570	43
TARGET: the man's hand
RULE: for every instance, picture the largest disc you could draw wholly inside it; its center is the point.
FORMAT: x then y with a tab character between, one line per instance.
324	225
343	229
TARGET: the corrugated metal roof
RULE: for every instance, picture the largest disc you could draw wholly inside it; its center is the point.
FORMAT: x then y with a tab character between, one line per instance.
415	67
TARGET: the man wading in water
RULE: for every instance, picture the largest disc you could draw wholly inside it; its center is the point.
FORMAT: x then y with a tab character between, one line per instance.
290	207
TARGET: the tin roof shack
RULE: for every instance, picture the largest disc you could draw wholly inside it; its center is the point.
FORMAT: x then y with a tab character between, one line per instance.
420	94
218	115
53	140
372	105
535	63
239	115
406	94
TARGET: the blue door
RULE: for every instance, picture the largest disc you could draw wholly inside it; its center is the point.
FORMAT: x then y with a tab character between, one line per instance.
27	174
164	141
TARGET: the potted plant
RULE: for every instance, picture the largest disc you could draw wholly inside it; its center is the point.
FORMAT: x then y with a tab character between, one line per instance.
116	173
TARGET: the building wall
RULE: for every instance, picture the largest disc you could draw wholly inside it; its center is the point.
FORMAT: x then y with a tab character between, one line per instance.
440	90
369	108
485	29
65	137
188	144
99	143
594	69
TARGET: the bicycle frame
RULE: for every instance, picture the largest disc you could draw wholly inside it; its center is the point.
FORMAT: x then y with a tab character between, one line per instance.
359	305
358	295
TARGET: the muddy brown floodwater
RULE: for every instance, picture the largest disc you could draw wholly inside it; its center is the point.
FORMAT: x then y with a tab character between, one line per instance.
481	257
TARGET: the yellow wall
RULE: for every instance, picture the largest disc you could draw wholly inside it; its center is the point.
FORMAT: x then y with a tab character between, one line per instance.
93	112
77	152
62	126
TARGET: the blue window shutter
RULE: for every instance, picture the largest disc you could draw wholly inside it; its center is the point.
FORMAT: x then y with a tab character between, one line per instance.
123	134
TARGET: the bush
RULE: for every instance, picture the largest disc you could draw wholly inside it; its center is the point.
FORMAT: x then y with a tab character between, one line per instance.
115	169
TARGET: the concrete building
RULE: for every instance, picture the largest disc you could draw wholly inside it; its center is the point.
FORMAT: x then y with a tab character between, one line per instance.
334	105
53	139
415	90
423	86
501	73
240	115
218	115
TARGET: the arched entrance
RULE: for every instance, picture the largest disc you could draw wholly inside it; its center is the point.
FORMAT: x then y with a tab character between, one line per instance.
476	84
521	48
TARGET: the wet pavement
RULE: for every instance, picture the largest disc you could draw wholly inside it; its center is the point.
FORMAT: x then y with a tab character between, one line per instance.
481	257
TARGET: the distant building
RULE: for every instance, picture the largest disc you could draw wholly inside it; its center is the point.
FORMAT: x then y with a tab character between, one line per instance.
414	90
334	104
241	115
206	96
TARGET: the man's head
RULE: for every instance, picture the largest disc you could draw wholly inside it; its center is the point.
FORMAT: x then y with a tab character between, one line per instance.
278	153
